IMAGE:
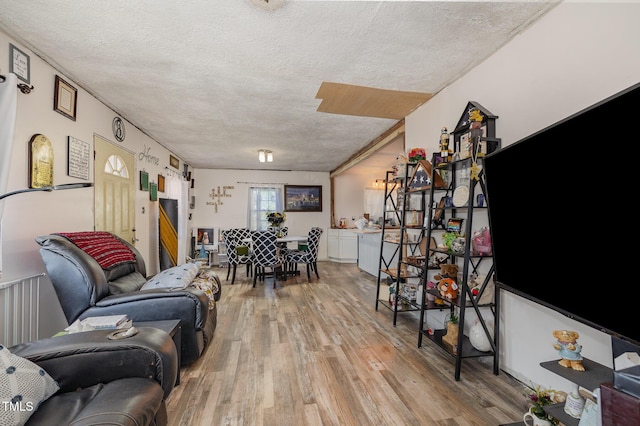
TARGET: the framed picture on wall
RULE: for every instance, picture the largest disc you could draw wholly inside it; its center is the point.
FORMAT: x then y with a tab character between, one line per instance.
303	198
65	99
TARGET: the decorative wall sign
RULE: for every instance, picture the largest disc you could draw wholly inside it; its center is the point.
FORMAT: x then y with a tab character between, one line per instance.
174	162
65	98
117	126
78	155
41	162
144	180
218	196
160	183
153	191
20	64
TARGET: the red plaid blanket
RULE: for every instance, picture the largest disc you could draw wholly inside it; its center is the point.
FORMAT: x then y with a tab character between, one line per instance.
104	247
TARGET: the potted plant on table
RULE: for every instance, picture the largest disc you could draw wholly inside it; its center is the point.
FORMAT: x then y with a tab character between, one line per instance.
276	220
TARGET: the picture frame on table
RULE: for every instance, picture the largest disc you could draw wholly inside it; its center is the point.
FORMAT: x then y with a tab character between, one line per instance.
303	198
65	98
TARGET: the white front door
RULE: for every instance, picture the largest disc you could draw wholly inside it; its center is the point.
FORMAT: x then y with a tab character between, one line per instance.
114	189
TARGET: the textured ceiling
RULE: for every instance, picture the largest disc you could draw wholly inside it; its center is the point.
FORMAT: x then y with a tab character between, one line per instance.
215	81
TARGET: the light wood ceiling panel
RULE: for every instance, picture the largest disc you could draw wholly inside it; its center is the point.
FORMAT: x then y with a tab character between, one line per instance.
348	99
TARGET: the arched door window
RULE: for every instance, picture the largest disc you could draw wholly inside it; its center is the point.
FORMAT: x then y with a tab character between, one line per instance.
115	166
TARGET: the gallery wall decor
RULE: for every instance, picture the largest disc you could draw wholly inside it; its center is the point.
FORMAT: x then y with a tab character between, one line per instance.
174	162
144	180
153	191
78	158
303	198
160	183
117	126
65	98
40	162
20	64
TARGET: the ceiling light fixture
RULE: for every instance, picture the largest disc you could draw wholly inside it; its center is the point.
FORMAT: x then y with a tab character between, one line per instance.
269	156
261	156
265	155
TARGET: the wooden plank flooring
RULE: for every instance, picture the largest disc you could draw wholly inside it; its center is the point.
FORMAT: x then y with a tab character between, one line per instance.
319	353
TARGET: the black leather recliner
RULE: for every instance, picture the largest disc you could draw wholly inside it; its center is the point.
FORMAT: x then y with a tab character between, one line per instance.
83	290
102	381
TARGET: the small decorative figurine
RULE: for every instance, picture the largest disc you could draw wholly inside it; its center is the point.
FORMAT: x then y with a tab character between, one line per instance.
447	282
569	349
444	144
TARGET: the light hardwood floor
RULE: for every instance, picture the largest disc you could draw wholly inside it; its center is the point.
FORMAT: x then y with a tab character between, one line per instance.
319	353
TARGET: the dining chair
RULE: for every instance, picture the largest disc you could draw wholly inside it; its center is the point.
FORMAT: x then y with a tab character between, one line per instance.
265	254
308	256
237	252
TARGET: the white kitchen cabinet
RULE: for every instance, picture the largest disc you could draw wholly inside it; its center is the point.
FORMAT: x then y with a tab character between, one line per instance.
369	251
342	245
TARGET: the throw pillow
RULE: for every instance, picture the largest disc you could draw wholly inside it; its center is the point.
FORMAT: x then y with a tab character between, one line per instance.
177	277
23	387
242	250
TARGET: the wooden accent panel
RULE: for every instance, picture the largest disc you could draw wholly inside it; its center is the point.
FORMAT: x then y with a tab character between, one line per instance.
347	99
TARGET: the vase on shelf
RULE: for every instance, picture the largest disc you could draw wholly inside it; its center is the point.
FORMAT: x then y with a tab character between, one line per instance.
531	419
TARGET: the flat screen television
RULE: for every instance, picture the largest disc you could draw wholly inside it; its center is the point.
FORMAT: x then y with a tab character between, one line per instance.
558	206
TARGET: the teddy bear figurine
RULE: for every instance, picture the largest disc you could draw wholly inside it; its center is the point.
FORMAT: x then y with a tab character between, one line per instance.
569	349
447	282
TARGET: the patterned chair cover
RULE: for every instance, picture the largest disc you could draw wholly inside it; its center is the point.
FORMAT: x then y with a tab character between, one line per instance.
308	256
265	254
233	238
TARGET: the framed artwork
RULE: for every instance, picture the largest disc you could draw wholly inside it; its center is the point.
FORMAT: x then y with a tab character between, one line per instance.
160	183
174	162
20	64
78	158
40	162
65	98
144	180
301	198
206	236
153	191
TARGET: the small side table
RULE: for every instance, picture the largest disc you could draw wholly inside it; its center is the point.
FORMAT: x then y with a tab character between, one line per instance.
173	328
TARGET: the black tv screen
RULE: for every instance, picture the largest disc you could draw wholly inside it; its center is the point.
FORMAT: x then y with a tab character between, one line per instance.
560	205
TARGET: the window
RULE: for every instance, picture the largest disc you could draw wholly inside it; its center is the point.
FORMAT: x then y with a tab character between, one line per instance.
115	166
261	201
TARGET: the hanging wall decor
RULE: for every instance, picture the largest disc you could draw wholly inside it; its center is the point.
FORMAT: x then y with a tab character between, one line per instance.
40	162
153	191
144	180
65	99
160	183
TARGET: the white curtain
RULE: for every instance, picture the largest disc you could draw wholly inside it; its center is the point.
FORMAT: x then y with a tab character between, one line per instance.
8	110
178	189
374	203
262	200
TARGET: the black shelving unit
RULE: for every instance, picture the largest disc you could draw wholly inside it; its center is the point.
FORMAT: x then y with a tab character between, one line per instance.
465	181
393	269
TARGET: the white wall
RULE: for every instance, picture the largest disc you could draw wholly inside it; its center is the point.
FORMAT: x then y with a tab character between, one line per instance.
232	213
29	215
577	55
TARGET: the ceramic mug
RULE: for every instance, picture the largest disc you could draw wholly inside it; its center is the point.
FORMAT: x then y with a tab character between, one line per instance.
535	420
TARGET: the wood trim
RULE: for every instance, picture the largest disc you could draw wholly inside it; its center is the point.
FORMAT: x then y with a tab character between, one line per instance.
378	143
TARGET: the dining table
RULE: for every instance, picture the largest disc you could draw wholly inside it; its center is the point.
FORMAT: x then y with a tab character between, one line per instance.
282	242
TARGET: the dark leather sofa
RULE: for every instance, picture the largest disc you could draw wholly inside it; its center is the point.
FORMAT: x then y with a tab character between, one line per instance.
84	289
102	381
